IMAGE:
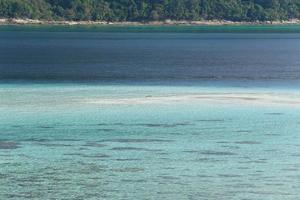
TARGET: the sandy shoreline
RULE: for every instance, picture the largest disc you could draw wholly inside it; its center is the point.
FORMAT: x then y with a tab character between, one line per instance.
4	21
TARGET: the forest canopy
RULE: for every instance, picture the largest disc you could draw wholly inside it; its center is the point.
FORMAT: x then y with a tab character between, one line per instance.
151	10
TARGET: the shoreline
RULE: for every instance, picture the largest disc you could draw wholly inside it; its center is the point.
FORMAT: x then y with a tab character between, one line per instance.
17	21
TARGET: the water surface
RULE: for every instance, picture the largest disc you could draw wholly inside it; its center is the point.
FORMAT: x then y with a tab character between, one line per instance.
94	114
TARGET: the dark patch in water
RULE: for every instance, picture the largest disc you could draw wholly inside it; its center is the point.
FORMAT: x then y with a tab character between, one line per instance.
243	131
271	150
269	193
162	153
73	154
212	128
134	181
229	175
24	156
290	169
218	153
70	140
83	149
168	177
17	126
165	125
9	145
204	176
169	168
230	147
207	160
105	129
211	120
208	152
128	159
274	113
243	168
222	142
272	134
296	155
133	149
190	151
54	145
99	155
112	124
136	140
93	144
2	176
247	142
45	127
294	177
38	140
128	169
23	196
275	184
254	161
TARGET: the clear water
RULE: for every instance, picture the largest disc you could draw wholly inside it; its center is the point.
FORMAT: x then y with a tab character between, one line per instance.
134	135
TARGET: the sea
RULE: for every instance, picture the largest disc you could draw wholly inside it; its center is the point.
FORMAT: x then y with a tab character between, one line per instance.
150	112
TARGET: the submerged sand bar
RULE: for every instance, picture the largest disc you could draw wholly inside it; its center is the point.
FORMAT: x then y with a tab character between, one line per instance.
224	98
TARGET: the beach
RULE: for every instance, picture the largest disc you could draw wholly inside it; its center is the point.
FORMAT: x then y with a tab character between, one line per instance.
24	21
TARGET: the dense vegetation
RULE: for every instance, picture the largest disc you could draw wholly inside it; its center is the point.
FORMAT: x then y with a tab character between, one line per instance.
148	10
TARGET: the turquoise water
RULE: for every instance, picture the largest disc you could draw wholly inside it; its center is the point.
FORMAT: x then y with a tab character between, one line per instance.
105	141
173	112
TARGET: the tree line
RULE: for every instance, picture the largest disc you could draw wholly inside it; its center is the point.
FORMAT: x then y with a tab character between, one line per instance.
151	10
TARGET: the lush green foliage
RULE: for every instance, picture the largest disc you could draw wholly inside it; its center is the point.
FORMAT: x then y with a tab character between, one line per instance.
146	10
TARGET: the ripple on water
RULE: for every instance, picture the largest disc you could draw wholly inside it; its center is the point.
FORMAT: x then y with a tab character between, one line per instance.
229	175
128	159
128	140
247	142
230	147
94	144
243	131
210	120
98	155
45	127
54	144
207	160
158	125
134	149
213	153
168	177
105	129
134	181
128	169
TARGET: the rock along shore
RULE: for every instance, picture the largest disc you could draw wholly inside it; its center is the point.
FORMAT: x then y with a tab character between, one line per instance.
4	21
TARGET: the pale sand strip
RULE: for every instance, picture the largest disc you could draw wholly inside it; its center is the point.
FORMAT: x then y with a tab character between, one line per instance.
213	98
24	21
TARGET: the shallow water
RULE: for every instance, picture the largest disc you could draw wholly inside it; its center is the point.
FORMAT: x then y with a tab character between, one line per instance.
55	144
86	114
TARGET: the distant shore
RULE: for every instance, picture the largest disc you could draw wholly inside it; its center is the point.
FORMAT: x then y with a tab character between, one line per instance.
165	22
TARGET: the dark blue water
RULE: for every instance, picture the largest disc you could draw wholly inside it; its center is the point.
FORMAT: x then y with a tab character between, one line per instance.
64	56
